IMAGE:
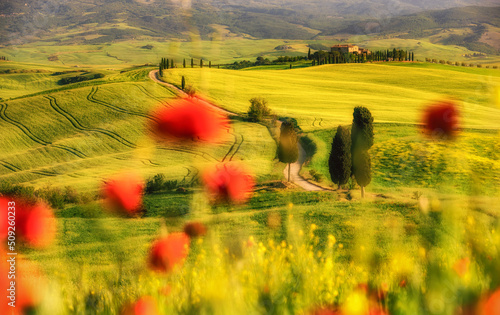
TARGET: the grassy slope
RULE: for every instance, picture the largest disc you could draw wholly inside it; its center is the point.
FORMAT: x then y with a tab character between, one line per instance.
403	160
124	53
80	136
323	97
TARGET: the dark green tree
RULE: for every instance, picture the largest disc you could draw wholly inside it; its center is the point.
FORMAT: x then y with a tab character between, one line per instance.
309	54
361	142
362	129
167	64
171	63
160	71
184	63
192	63
362	169
210	64
201	63
183	83
339	162
258	109
288	150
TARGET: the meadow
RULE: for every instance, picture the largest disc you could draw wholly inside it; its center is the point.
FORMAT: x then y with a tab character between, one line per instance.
424	241
88	131
323	97
126	53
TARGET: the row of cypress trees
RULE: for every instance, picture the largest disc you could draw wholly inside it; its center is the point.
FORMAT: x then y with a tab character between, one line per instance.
349	155
324	57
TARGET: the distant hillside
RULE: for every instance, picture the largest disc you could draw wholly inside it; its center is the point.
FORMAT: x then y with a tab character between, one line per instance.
72	22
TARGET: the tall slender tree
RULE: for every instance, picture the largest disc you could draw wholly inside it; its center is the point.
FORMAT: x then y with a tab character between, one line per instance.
339	163
361	142
184	63
288	150
183	83
192	63
171	63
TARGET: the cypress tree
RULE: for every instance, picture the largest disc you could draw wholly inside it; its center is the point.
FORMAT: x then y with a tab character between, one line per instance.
339	163
171	63
168	64
192	63
412	55
288	150
309	54
361	163
201	63
183	83
160	71
361	142
210	64
184	63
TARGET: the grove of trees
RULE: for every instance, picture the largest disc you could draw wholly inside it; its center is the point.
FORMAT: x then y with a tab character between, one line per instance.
349	155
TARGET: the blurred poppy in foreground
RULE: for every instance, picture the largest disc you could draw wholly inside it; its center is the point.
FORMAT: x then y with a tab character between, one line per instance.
168	252
195	229
190	119
228	182
26	294
440	120
36	224
462	266
4	222
325	311
146	305
33	224
124	194
492	305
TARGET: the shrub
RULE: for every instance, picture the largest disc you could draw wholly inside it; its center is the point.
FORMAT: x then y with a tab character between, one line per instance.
71	195
258	109
53	195
155	183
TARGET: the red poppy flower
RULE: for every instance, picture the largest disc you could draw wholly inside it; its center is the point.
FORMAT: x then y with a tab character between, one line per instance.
325	311
228	182
461	266
190	119
36	224
195	229
168	252
124	194
146	305
441	120
4	223
27	290
492	305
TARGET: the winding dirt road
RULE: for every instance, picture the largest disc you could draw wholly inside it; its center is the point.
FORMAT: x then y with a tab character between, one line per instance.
295	167
295	176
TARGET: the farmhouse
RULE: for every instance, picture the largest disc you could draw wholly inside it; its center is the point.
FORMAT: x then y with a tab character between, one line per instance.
348	48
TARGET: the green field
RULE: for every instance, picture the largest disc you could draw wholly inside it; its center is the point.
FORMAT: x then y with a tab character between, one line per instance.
286	250
88	131
323	97
118	55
